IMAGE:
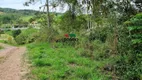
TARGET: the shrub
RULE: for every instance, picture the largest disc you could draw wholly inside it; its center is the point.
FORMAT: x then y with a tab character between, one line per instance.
10	39
16	33
129	67
32	38
21	39
26	36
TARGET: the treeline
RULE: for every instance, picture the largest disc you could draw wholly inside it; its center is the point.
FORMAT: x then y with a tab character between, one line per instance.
22	12
13	16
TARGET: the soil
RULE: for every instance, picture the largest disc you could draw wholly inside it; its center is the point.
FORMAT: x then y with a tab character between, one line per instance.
11	62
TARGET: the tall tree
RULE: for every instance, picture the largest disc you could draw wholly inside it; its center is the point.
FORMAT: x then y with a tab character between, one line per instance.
48	15
47	9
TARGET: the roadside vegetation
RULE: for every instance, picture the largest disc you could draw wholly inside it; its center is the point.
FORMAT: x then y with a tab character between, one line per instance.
77	45
66	63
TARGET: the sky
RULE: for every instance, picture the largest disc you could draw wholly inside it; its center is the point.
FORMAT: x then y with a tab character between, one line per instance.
18	4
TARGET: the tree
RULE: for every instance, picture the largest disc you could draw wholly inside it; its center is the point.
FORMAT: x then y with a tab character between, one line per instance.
47	8
48	15
129	65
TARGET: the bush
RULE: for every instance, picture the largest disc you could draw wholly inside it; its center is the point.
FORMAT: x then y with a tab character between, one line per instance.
16	33
32	38
10	39
7	39
48	34
129	67
26	36
21	39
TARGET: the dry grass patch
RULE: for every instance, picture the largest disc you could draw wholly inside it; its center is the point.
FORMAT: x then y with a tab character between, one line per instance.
1	59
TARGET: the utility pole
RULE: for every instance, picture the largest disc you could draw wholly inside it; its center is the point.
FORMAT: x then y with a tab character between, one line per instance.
48	15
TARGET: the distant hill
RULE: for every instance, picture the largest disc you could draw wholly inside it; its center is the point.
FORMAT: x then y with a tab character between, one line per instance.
13	16
23	12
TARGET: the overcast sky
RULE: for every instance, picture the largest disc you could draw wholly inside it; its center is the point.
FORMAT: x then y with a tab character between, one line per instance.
18	4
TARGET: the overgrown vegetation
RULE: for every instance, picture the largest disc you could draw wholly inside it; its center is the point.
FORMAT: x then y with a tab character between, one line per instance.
26	36
129	66
10	17
66	62
106	44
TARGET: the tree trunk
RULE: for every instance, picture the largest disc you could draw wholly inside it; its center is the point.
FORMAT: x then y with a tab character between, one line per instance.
48	16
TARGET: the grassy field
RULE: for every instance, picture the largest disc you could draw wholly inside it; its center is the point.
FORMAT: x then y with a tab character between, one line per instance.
63	63
26	18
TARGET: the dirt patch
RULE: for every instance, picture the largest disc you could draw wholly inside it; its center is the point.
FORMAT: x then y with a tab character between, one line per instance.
11	65
1	59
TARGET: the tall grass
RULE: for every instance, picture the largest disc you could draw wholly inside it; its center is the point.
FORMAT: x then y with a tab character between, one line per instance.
62	63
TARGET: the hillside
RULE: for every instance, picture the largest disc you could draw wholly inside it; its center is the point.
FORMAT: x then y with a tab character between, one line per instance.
22	12
13	16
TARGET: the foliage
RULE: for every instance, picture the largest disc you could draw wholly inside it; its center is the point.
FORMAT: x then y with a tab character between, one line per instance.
97	25
16	33
26	36
57	64
6	38
10	40
23	12
74	24
129	66
21	39
12	16
8	18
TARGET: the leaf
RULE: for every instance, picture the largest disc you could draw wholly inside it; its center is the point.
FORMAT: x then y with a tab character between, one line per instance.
135	41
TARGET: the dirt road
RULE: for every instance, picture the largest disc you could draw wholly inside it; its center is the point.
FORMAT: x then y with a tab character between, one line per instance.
10	62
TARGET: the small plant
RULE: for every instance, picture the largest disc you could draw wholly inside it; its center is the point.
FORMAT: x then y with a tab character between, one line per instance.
10	39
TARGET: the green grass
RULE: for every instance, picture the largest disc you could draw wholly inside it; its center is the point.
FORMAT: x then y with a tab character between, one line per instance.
26	18
29	31
1	47
8	32
2	41
26	31
63	63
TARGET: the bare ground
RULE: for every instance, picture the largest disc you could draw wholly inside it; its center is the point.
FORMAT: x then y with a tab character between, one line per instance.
11	62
